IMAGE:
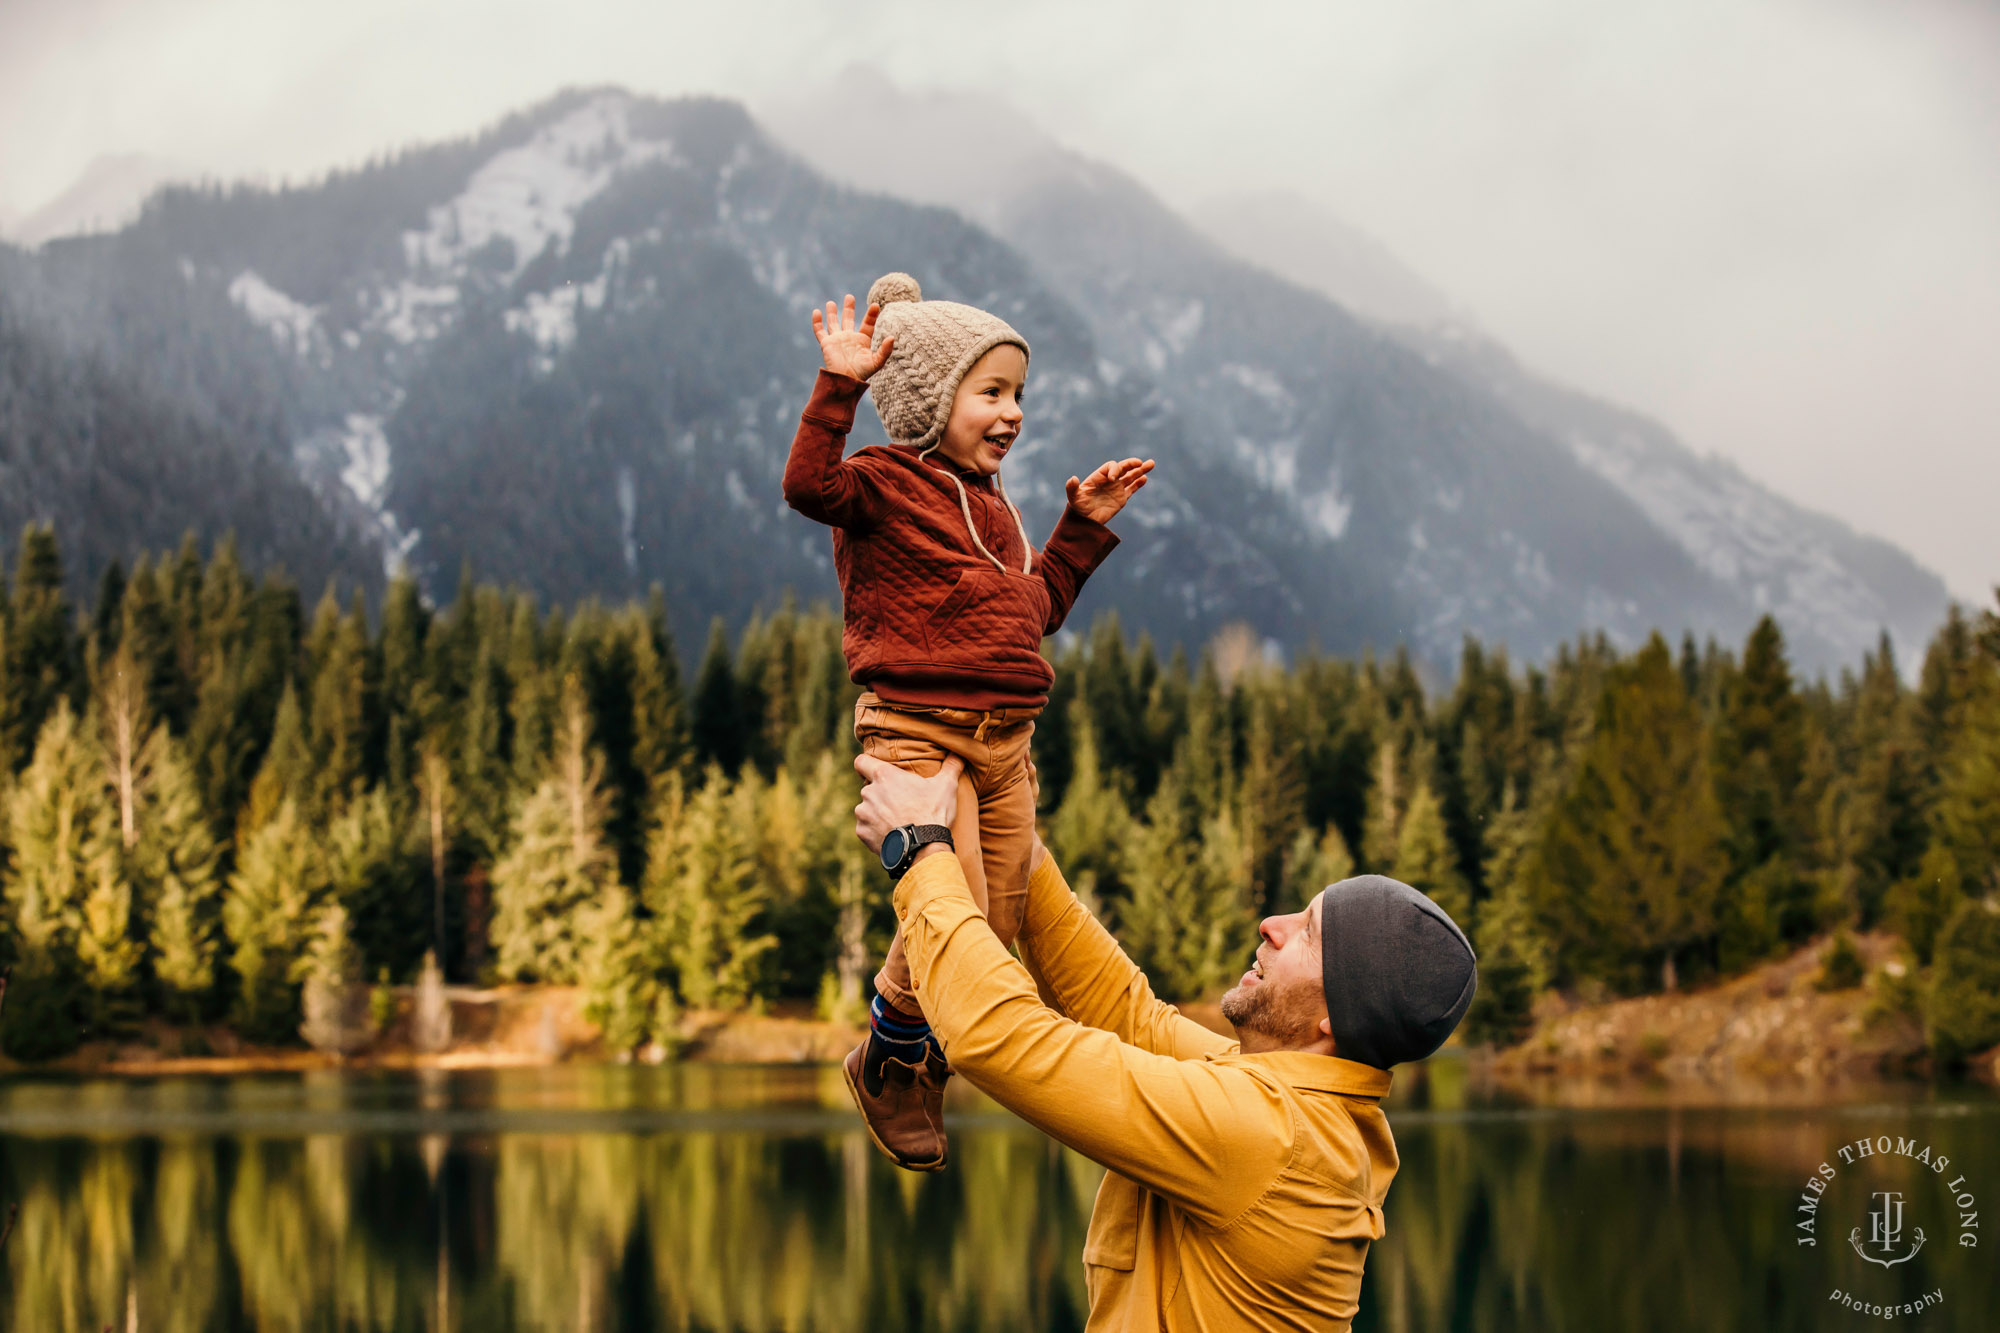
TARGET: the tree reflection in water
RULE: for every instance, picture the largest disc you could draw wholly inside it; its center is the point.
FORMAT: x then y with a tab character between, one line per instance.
715	1199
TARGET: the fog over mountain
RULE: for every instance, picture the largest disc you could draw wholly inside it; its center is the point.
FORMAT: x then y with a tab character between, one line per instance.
570	352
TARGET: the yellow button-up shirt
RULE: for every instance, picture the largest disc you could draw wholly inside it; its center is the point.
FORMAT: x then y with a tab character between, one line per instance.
1243	1190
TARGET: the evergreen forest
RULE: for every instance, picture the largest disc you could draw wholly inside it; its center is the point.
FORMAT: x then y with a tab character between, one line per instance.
213	798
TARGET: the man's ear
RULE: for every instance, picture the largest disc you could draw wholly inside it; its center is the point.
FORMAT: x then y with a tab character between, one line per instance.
1326	1027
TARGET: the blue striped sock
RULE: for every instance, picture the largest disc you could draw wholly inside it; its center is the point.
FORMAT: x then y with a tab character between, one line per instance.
904	1038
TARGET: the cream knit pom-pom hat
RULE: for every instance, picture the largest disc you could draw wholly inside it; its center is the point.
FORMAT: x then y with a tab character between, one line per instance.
936	343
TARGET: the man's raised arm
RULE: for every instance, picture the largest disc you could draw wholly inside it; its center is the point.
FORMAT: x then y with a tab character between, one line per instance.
1209	1135
1093	980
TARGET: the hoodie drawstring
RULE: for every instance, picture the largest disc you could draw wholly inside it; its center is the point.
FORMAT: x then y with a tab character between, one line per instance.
965	507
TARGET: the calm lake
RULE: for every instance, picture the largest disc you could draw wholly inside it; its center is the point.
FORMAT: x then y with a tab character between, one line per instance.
726	1198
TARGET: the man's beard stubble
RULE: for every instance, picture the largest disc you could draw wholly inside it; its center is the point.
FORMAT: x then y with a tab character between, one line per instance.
1285	1013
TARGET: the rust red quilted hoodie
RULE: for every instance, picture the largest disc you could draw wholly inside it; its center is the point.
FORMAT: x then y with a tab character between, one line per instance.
928	620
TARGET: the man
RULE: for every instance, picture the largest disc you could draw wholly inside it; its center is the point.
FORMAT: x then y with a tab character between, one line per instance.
1246	1177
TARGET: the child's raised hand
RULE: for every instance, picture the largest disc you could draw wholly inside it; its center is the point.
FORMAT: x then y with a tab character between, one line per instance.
1104	492
846	348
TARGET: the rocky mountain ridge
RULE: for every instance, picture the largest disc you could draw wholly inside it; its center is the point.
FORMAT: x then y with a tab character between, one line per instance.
569	353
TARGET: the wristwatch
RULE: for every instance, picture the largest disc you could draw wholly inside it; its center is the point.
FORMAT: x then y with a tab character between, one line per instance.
900	845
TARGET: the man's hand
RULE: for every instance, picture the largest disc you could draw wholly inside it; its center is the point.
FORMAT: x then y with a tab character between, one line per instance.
895	797
846	348
1104	492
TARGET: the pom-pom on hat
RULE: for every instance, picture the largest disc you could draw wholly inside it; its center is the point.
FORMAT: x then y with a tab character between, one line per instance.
1398	971
936	343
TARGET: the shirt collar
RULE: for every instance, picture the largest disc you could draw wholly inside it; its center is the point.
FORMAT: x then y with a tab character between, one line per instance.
1320	1073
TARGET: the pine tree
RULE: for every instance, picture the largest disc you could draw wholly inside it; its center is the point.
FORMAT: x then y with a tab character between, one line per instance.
1271	797
659	714
1761	747
1090	832
1312	863
65	881
286	773
703	891
174	872
1188	920
40	663
1509	949
339	713
533	695
376	872
1383	831
1962	1010
1426	859
270	910
123	724
146	635
404	696
334	992
1967	813
1627	875
1920	905
107	616
483	773
717	726
621	973
562	863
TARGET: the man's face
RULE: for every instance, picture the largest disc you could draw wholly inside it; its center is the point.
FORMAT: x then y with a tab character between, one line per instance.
985	415
1281	1001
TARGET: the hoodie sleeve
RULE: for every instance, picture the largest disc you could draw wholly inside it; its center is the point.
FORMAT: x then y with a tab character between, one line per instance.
1076	548
818	482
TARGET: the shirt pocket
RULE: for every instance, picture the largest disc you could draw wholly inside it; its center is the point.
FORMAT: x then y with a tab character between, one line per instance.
1113	1240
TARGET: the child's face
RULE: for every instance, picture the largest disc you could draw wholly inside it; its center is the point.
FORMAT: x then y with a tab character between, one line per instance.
986	413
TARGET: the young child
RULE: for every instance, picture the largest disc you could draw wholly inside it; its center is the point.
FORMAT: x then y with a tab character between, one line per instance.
945	605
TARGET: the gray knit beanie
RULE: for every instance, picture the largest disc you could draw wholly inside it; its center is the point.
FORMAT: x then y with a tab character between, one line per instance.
936	343
1398	971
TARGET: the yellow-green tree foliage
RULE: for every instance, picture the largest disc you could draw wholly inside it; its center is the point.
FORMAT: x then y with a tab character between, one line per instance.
562	864
270	911
1629	872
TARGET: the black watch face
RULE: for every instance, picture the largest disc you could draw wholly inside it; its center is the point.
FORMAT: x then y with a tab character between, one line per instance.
895	847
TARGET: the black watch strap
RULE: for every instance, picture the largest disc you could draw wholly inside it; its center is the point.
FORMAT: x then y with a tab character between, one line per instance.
921	836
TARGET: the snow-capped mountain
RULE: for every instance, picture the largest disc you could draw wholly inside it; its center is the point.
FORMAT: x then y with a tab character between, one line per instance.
570	353
1461	465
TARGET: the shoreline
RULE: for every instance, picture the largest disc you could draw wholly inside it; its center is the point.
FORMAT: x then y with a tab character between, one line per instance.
1771	1026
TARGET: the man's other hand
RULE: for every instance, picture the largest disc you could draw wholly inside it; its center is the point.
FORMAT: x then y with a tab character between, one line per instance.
895	796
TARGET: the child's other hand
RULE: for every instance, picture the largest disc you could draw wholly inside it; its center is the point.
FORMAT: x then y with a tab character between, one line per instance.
1104	492
846	348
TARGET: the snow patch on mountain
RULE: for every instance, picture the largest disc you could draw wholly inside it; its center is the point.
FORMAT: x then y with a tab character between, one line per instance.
366	472
1330	509
290	323
628	512
523	200
1740	533
529	196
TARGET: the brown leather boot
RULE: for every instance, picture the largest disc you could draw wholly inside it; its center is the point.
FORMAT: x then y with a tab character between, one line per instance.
905	1111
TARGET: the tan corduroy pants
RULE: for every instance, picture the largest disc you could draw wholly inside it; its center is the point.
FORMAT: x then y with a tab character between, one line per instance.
994	833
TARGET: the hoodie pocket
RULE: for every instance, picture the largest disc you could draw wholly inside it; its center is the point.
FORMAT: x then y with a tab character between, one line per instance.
984	611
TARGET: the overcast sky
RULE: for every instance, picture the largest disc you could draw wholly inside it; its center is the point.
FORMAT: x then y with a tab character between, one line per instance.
1773	224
